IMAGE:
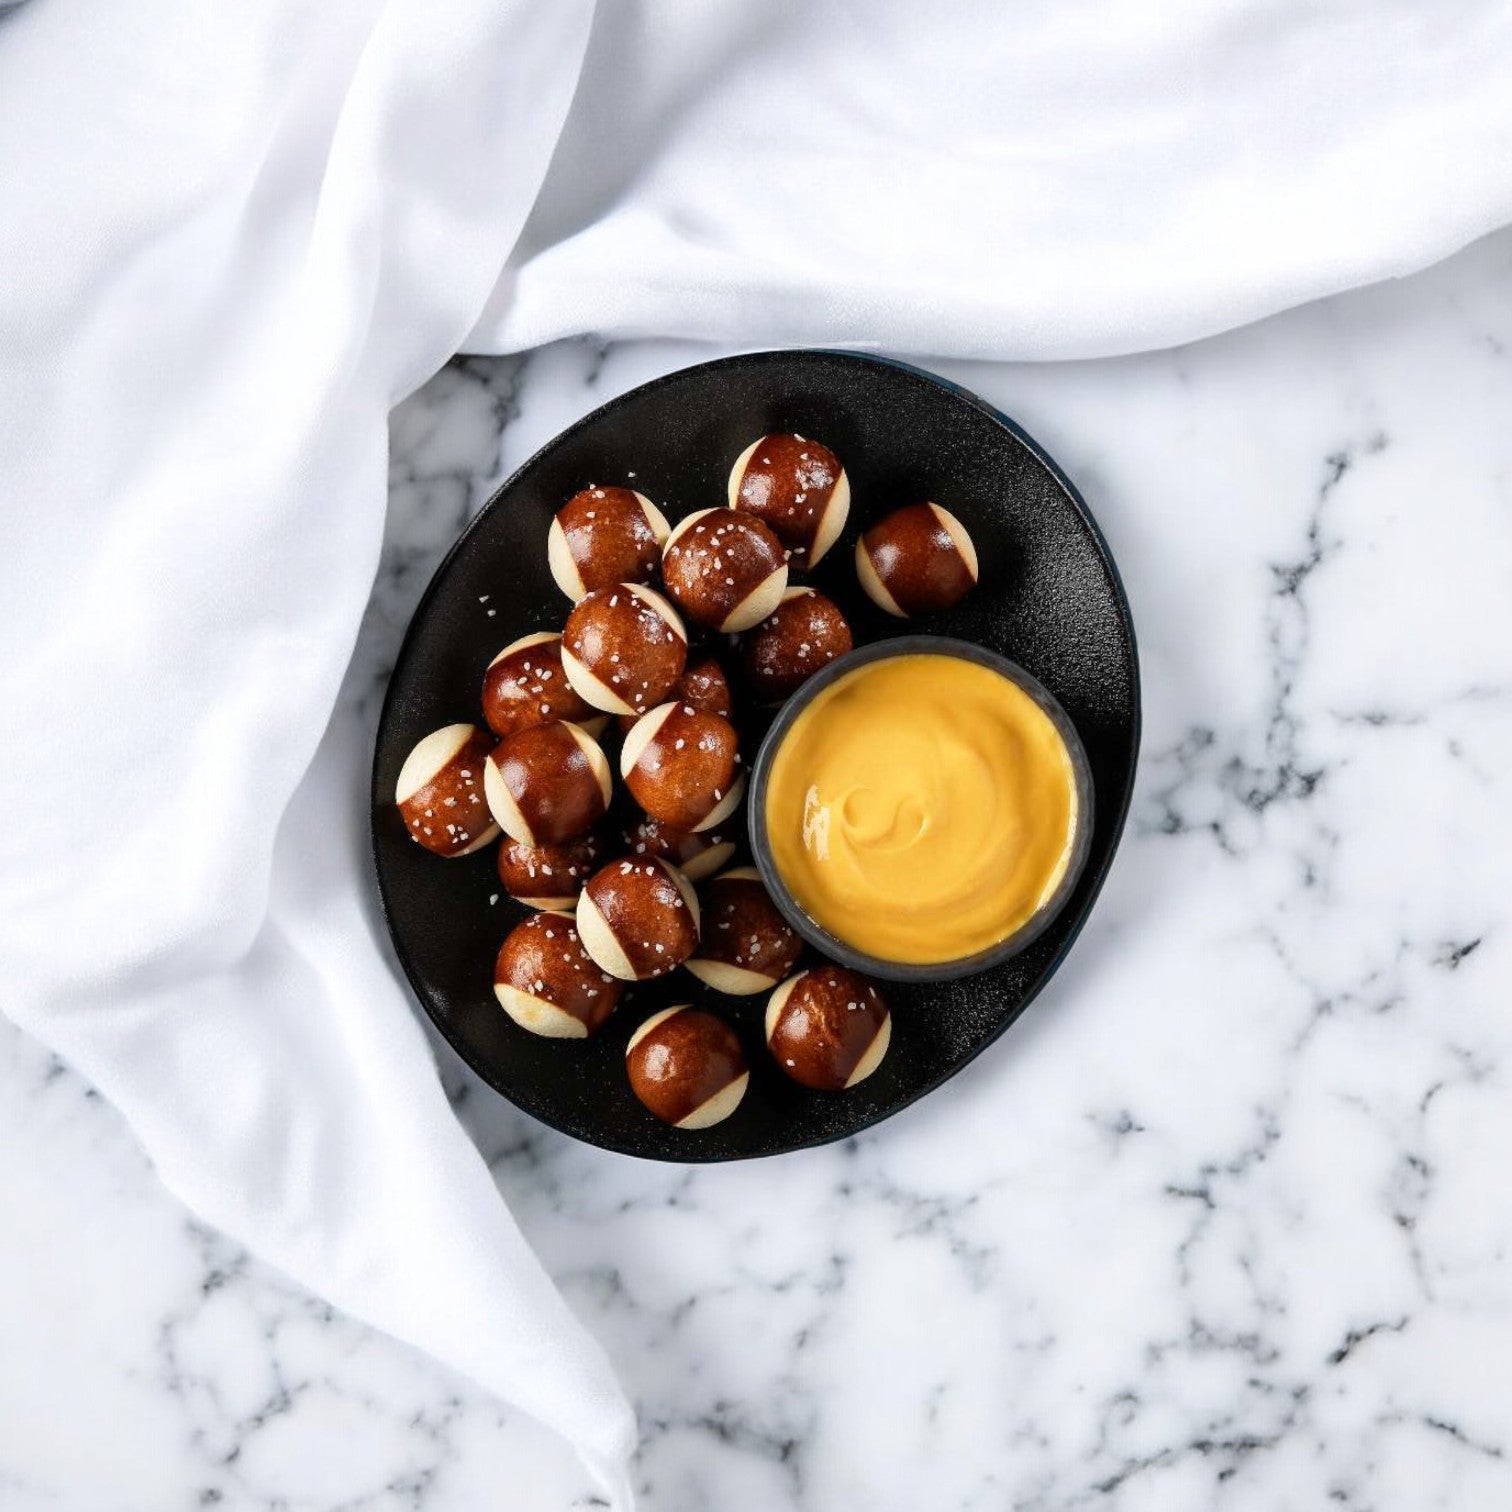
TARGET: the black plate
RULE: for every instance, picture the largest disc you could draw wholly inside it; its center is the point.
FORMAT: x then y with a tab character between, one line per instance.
1049	598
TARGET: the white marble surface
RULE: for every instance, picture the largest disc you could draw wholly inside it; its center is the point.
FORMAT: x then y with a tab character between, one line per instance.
1223	1223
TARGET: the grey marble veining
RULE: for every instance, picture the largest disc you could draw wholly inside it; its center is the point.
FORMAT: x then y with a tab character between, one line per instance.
1222	1223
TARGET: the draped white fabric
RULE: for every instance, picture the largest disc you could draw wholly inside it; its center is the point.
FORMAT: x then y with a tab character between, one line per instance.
232	236
1007	181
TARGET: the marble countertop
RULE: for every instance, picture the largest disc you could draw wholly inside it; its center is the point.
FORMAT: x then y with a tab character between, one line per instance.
1222	1223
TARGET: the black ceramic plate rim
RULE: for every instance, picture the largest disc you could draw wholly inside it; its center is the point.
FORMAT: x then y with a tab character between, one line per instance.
831	945
1094	877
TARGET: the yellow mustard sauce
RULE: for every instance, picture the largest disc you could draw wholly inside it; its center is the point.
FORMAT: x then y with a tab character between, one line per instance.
922	808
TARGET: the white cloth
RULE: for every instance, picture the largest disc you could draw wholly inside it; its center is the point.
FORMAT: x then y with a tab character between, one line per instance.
1063	178
232	236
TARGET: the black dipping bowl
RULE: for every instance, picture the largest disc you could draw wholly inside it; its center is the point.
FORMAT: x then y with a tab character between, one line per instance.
831	945
1049	599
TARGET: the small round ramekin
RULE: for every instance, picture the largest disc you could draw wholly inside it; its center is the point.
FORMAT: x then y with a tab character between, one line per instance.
832	945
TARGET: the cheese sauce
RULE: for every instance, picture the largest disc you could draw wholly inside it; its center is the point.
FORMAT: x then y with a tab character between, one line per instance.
922	808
